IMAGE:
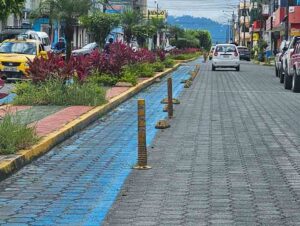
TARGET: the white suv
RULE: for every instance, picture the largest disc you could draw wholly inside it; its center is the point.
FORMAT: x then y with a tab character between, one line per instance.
226	55
287	67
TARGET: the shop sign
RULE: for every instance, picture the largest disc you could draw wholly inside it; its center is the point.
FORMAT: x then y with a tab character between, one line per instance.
161	14
255	37
295	32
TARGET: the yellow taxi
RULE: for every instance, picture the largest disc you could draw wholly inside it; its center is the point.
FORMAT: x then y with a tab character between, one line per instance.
14	55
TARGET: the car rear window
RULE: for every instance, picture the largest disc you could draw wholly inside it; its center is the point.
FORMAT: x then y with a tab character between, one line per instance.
243	50
228	49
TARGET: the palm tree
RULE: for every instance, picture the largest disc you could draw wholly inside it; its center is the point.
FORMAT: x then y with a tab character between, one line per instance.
129	19
159	24
67	12
10	6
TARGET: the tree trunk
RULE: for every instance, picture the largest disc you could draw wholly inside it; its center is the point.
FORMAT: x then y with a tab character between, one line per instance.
69	37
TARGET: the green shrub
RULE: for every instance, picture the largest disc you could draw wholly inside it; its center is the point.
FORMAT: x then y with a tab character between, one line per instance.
158	67
145	70
129	74
169	63
56	92
15	135
102	79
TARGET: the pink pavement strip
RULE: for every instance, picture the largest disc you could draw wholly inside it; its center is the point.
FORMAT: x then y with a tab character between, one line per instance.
57	120
117	90
12	109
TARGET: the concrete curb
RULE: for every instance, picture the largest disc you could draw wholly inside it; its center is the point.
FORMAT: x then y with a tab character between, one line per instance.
23	157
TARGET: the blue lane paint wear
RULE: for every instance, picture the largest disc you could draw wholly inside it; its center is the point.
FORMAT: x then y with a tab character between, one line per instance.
8	99
77	182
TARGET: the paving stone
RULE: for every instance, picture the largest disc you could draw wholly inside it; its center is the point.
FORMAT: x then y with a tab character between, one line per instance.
237	151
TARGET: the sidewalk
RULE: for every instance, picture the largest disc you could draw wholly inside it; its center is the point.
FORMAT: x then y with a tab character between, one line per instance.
231	157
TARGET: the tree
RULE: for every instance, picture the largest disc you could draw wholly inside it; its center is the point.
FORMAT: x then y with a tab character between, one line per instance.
176	32
68	12
100	24
204	39
129	19
142	32
10	6
159	24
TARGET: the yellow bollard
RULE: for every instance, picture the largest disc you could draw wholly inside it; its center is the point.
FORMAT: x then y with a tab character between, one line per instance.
142	147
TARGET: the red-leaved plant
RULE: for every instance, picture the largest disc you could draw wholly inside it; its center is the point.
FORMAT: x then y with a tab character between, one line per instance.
41	69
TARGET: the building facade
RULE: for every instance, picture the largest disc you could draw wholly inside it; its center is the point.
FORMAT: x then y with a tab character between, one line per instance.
273	21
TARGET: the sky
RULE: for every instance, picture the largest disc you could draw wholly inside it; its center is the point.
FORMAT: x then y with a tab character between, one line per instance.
218	10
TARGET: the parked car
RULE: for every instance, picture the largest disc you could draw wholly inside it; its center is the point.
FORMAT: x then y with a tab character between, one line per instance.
286	65
211	52
244	53
278	59
14	55
85	50
226	56
44	38
295	62
169	48
134	45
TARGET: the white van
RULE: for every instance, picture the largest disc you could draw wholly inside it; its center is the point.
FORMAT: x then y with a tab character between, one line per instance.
44	38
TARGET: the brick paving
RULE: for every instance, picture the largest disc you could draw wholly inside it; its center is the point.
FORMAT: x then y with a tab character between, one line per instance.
57	120
77	182
231	157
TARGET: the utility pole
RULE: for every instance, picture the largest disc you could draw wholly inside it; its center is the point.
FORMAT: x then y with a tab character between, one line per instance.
158	32
287	21
244	25
239	25
233	23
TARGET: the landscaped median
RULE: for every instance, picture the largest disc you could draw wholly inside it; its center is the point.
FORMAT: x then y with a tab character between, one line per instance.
53	126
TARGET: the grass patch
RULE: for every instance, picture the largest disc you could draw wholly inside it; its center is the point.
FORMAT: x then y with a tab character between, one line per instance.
169	63
158	66
185	56
56	92
15	135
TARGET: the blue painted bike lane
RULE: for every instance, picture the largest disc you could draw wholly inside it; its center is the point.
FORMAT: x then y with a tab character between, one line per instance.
77	182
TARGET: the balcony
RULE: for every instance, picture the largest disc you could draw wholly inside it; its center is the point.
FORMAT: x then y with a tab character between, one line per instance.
245	19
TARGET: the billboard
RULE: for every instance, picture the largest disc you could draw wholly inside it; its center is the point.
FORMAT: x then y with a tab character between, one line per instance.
117	6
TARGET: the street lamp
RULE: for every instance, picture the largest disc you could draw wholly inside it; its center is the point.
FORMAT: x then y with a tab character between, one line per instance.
156	2
157	34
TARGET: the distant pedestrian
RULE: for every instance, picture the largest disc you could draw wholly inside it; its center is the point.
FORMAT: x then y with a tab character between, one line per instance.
107	45
60	45
205	56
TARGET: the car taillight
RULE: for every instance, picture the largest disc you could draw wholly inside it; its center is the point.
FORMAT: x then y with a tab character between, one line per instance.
236	53
216	53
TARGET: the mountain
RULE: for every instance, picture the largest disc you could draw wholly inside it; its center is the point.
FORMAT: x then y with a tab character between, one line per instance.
218	31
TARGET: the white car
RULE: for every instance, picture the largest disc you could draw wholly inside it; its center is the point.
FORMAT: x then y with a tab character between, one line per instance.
169	48
286	65
226	56
44	38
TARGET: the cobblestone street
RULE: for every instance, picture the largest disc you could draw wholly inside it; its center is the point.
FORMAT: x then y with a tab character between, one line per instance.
77	182
231	157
